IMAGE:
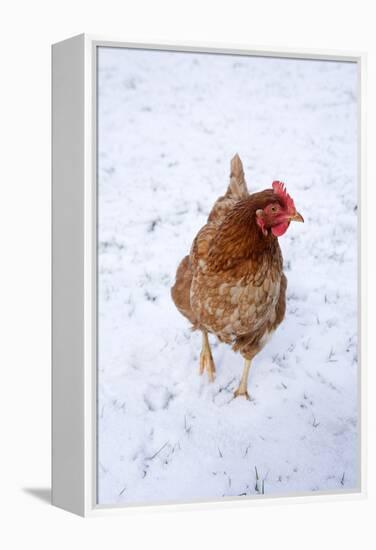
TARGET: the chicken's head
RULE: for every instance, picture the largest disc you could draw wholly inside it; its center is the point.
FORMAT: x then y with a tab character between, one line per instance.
278	213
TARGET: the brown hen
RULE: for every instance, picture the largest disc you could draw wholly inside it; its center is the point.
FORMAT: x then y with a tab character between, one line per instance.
232	283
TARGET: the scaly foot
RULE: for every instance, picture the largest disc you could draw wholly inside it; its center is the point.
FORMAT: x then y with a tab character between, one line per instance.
242	389
207	363
241	393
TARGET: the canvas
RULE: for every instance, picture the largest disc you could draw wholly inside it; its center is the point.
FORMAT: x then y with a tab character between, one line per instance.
168	125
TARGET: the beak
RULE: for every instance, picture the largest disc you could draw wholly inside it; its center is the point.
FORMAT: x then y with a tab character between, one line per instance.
297	218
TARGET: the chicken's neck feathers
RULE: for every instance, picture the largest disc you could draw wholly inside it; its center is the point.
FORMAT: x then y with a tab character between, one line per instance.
239	238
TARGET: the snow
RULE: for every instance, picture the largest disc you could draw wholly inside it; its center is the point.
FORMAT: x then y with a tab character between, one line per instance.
168	125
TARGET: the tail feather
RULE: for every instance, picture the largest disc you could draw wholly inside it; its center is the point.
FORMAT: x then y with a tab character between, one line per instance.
237	188
236	191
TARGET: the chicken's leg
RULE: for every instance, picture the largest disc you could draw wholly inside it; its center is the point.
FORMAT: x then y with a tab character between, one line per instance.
206	358
242	389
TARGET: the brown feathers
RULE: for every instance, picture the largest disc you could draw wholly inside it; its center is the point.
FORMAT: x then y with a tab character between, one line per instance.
232	283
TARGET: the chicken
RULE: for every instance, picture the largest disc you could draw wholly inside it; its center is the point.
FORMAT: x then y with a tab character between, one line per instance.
232	283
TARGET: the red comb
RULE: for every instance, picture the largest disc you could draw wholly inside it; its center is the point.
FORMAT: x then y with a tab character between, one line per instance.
280	189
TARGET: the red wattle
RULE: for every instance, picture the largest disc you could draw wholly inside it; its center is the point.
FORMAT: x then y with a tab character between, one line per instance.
280	228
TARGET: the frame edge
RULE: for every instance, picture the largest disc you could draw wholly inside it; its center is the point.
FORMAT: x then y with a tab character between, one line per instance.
68	381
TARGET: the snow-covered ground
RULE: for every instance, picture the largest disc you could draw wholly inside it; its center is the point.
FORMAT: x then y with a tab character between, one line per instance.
169	124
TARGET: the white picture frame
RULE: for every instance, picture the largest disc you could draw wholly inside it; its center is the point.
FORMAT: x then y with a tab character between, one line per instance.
74	208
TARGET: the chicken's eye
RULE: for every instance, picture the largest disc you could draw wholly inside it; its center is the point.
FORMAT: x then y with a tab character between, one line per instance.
273	209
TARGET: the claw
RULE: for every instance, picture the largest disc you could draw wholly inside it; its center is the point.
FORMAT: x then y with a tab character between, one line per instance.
241	393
